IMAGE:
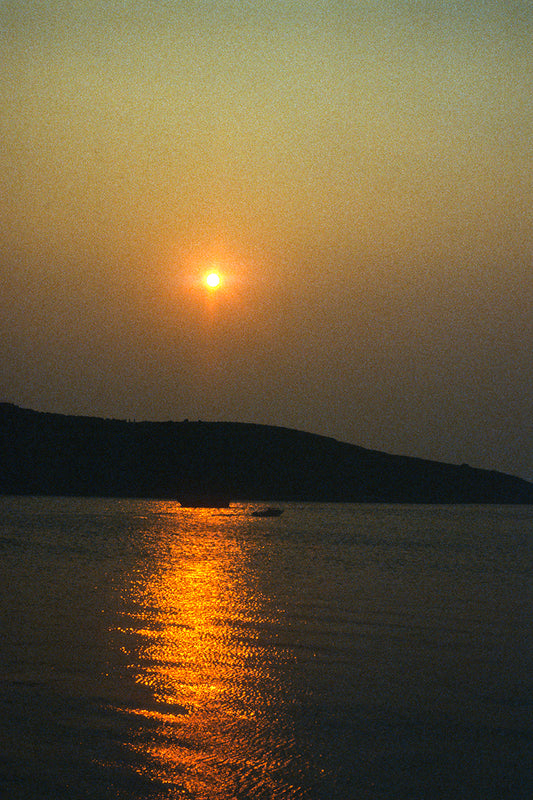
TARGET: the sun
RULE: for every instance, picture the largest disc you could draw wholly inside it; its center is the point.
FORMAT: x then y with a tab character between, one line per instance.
213	280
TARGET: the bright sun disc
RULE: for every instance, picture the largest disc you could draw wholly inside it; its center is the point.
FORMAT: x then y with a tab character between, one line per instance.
213	280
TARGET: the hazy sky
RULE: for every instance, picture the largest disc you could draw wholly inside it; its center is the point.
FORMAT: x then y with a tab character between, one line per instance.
359	173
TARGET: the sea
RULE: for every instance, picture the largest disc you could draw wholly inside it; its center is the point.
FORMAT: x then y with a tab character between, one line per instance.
336	652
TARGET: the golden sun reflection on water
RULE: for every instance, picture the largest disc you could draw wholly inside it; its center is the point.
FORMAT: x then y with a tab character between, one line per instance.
200	647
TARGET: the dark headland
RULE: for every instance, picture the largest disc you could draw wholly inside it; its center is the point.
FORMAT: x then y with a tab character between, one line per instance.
53	454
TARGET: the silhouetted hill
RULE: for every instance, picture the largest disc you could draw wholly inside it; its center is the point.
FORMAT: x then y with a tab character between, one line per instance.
52	454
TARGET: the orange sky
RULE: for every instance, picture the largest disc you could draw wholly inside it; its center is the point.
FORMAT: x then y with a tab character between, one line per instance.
360	174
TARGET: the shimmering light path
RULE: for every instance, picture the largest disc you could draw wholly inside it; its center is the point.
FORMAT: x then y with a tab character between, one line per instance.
336	652
201	637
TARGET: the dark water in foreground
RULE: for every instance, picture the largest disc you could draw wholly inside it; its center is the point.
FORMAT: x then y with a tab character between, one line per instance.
335	653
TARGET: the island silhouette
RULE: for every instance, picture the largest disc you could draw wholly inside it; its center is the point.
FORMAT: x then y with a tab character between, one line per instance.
214	463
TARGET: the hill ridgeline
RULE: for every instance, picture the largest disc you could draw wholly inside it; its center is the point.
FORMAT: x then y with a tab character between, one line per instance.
54	454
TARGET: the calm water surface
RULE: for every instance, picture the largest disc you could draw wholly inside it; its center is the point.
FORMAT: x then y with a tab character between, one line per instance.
338	652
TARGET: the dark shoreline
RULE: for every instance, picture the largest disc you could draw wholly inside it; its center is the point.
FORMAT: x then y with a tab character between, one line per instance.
54	454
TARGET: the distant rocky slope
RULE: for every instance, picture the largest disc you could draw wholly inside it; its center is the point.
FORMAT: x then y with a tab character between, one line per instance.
52	454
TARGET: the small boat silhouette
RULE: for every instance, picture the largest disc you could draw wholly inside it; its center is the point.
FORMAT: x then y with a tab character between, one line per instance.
270	511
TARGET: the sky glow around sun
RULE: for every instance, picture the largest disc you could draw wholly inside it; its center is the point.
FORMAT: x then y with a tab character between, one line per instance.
357	175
